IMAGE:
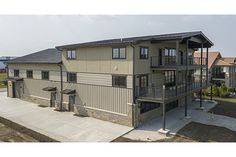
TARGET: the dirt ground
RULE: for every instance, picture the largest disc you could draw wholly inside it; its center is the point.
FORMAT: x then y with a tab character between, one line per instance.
196	132
224	108
10	135
13	132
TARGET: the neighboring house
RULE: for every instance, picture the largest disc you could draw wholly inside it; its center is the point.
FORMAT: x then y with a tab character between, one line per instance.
221	69
126	81
3	60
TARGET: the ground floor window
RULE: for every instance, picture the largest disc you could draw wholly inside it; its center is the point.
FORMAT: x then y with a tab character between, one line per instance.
148	106
16	73
29	73
71	77
119	81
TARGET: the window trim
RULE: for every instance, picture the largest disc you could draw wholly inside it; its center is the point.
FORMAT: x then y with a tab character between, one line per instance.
118	86
69	81
119	52
71	54
140	50
27	74
18	72
42	74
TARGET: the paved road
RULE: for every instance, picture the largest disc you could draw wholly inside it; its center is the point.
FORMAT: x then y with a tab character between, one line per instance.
61	126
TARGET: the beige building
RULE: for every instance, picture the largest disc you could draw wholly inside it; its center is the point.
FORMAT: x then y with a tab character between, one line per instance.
126	81
221	69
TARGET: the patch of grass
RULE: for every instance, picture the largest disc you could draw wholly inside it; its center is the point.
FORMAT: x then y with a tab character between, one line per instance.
3	77
231	100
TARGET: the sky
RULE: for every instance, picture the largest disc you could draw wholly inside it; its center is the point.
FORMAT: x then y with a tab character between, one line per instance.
24	34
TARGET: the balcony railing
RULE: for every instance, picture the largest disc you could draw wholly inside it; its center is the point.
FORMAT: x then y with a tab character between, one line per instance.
171	61
168	92
220	75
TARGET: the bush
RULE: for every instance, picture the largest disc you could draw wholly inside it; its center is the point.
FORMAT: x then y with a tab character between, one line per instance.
223	91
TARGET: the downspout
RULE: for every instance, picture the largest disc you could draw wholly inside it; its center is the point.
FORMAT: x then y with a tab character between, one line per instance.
134	97
61	101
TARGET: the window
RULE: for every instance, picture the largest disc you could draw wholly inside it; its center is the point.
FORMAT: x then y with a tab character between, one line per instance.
71	77
119	81
118	53
169	78
71	54
143	80
45	75
16	73
170	56
144	52
29	74
148	106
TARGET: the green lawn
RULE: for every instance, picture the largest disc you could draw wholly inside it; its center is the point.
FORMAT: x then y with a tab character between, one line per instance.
232	100
3	77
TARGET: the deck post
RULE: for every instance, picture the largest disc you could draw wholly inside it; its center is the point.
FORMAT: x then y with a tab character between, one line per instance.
207	79
163	110
201	77
186	82
211	87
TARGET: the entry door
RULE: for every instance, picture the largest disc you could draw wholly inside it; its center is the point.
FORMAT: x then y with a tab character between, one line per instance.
53	100
71	103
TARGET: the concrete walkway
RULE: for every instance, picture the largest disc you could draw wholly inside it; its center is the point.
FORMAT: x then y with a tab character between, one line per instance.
61	126
175	120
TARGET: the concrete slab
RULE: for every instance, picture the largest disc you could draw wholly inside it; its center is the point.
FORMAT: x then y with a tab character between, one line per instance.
62	126
175	120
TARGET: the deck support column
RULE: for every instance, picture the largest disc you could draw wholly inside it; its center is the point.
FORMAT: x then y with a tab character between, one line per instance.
207	70
201	77
163	110
186	82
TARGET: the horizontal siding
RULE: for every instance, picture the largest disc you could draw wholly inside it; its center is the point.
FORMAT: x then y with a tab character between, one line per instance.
95	79
82	78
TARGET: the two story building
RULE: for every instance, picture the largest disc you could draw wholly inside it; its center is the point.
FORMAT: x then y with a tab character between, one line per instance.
126	81
221	69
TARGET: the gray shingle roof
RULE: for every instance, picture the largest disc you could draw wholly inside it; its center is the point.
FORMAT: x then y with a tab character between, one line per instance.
48	56
173	36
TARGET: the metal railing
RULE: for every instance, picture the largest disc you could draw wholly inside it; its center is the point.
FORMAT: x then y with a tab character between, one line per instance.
168	92
171	61
220	75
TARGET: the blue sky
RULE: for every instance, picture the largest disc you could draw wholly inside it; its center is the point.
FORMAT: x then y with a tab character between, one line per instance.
22	35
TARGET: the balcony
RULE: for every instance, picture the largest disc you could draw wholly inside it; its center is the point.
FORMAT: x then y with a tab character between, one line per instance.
218	76
170	61
168	93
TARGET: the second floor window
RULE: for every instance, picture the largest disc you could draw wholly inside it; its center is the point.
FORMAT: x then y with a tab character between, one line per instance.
118	53
119	81
71	77
144	51
170	56
16	73
45	75
71	54
29	74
